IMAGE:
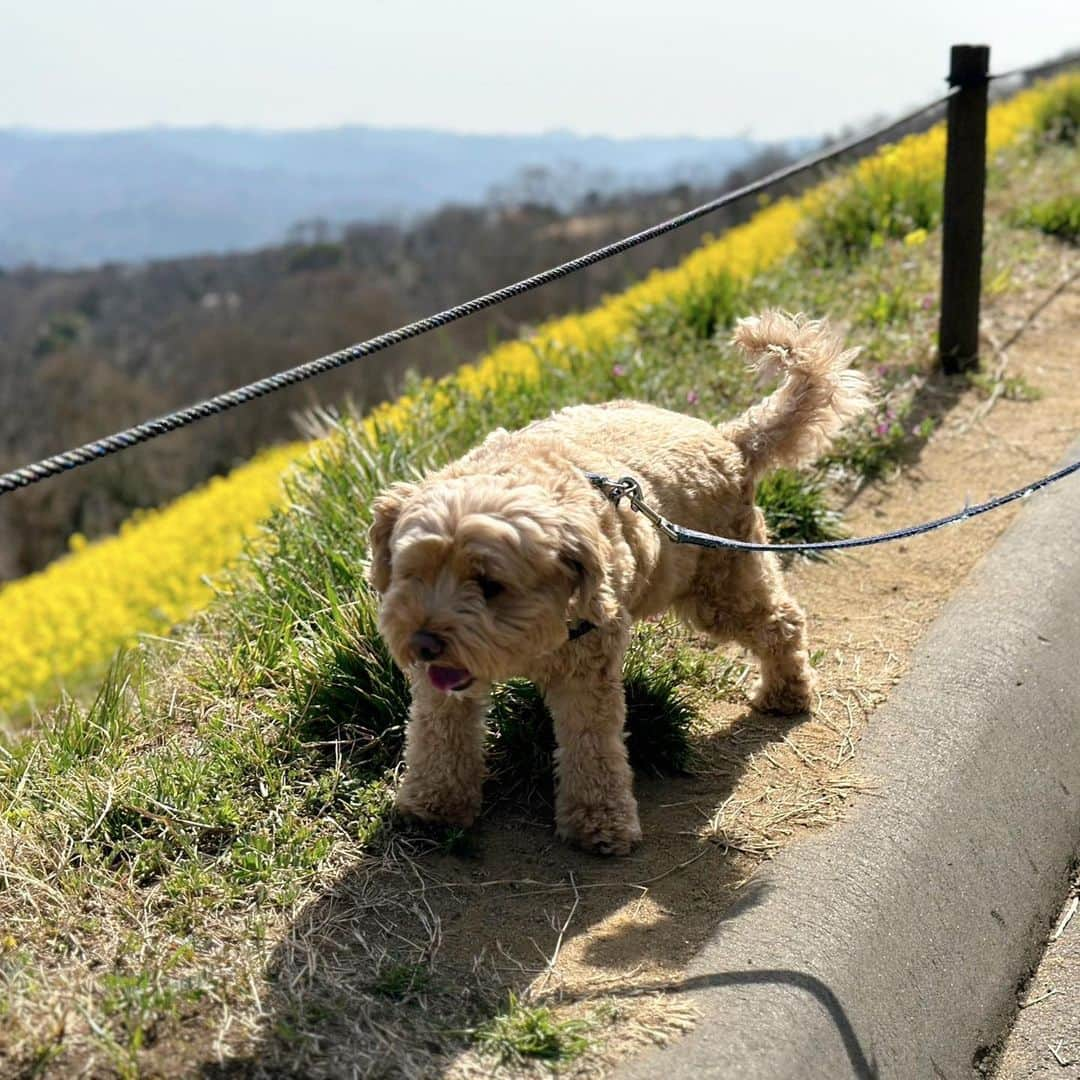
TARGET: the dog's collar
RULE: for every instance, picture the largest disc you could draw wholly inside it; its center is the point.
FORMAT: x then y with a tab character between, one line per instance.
579	629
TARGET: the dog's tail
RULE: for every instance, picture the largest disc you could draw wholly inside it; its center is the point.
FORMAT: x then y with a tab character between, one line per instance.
818	394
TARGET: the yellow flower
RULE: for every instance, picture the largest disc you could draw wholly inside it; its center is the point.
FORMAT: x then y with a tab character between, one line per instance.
69	618
72	616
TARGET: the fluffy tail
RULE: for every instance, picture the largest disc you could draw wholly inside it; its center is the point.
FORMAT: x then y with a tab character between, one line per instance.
818	395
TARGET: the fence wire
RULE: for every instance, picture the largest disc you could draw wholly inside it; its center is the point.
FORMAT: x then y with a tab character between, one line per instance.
231	399
1038	71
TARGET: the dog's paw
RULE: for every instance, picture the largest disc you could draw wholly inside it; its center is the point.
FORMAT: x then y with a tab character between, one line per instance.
787	698
601	830
417	803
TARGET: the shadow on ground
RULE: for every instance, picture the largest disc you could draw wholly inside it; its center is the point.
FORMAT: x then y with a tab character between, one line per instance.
389	970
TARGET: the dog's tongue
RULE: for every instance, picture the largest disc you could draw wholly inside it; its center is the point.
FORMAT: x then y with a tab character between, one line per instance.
448	678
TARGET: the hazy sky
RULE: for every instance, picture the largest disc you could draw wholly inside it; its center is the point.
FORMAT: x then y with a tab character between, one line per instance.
622	68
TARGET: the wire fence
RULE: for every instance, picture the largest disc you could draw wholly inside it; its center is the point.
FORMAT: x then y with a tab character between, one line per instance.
231	399
1044	70
151	429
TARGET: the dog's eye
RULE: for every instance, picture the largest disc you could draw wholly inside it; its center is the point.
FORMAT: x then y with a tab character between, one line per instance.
488	588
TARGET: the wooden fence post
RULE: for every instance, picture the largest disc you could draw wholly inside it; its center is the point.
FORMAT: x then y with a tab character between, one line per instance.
962	222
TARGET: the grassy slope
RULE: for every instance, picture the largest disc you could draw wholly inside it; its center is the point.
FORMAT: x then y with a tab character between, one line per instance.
152	846
62	625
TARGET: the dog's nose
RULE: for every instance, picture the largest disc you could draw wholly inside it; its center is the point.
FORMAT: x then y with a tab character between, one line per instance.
428	646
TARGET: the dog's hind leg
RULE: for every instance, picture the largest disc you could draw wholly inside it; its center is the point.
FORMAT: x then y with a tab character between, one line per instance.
594	802
775	632
745	600
444	757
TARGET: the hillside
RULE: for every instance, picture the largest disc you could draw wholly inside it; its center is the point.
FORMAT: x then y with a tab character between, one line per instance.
201	874
86	352
70	200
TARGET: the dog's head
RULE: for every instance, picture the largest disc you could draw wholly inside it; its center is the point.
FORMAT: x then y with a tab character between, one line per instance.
478	575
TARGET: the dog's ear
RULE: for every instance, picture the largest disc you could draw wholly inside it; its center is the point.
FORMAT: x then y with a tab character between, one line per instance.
385	511
581	552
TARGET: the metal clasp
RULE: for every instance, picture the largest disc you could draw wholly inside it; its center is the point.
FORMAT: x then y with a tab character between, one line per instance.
628	488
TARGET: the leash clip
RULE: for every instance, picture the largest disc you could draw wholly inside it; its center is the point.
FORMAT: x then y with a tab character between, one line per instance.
630	489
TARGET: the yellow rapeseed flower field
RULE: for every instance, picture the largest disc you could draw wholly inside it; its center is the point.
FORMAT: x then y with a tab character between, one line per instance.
72	616
69	618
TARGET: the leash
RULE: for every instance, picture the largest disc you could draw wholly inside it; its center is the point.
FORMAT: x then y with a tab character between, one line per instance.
630	489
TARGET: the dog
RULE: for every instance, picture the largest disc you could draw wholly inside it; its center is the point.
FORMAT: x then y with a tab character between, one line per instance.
509	562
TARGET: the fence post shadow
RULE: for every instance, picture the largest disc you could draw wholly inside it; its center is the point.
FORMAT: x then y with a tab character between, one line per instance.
863	1064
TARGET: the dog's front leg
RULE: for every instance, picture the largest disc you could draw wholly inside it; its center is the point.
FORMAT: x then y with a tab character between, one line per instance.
444	756
594	802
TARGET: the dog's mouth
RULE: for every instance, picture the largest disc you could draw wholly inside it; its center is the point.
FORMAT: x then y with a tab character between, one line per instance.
449	679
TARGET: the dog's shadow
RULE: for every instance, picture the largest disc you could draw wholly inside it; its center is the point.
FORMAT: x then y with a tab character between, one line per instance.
391	968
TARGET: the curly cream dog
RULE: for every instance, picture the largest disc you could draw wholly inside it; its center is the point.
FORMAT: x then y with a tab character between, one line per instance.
509	562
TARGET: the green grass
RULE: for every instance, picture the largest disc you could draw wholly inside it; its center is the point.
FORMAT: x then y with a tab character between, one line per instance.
1058	217
1059	116
895	305
709	307
665	681
881	444
525	1031
797	509
1010	387
134	1005
870	213
399	980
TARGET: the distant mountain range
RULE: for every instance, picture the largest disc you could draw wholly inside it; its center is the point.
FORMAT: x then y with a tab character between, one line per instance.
71	200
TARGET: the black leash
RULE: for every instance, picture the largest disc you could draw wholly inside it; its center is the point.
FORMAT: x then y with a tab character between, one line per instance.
628	488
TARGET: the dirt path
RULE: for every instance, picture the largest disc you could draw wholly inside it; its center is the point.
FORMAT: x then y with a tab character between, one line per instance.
1045	1040
876	602
598	940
